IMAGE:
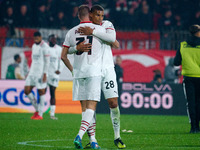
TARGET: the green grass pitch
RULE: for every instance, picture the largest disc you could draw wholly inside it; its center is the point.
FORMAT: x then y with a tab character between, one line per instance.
19	132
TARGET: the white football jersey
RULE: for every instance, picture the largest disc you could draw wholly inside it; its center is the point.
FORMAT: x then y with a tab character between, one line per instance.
39	52
107	51
55	61
86	64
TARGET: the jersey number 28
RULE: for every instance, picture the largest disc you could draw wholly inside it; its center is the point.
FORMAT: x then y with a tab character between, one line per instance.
81	39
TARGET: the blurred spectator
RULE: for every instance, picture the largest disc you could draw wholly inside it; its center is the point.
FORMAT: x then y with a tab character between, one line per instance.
61	21
23	19
51	10
157	79
119	73
179	24
132	15
155	5
165	6
74	20
196	19
171	74
9	21
166	24
41	19
145	18
167	21
14	71
155	8
120	11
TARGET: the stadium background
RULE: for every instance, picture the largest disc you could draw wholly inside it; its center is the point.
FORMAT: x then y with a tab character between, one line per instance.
149	32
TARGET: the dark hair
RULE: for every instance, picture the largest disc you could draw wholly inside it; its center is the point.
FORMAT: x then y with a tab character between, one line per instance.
83	11
51	36
96	7
16	57
194	29
37	33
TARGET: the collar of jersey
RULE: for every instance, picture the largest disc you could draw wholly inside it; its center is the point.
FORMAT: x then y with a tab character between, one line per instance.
85	22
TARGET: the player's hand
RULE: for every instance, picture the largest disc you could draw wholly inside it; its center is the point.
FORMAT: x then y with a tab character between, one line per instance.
82	47
57	72
72	73
44	79
85	30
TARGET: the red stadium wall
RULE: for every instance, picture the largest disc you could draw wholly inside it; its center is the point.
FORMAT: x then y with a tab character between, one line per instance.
138	65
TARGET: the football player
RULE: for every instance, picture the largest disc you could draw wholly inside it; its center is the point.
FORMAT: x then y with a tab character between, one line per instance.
37	76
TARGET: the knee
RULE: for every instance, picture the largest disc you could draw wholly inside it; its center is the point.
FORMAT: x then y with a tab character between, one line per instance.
113	103
26	91
41	92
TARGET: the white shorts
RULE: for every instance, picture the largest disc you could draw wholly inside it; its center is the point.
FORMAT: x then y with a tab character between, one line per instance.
87	88
35	81
53	81
109	83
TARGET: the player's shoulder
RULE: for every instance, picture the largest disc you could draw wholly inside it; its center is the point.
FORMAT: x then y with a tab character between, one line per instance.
98	27
58	47
107	24
43	44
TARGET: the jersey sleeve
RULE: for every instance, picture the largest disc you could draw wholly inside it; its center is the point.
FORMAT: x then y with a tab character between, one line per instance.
109	35
67	40
109	25
46	55
60	63
72	50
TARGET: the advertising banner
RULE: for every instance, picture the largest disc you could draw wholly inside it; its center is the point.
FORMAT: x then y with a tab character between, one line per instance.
13	99
145	98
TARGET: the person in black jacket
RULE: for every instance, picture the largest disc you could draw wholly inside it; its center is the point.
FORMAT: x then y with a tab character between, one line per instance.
189	57
119	73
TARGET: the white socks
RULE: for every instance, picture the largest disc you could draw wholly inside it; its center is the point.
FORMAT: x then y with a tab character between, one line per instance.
52	110
86	120
33	100
41	105
91	129
115	117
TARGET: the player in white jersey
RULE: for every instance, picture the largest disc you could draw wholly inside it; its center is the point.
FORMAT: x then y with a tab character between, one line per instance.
56	66
86	70
109	84
37	76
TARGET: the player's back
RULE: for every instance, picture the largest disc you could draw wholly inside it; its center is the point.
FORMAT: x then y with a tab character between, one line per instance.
107	51
86	64
38	53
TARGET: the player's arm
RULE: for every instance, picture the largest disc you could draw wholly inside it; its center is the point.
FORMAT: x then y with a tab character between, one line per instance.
60	63
178	58
65	59
108	36
115	44
18	74
46	64
82	47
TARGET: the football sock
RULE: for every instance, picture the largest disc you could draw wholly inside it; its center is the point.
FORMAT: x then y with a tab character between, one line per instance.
33	101
41	105
52	109
91	129
83	113
115	117
85	122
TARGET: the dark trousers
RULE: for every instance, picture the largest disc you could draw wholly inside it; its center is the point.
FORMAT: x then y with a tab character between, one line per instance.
191	87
